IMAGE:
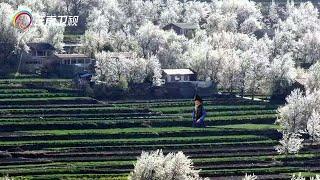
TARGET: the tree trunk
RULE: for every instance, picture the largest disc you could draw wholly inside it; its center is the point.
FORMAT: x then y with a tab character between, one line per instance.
252	94
20	59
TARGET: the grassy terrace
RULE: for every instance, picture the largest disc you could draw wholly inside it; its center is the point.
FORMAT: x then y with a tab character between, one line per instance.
32	80
47	135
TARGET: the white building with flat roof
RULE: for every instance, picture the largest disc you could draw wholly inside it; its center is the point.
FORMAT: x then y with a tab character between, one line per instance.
178	75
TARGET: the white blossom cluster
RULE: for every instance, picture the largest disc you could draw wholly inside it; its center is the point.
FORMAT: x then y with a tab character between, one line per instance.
294	177
156	165
300	177
250	177
300	116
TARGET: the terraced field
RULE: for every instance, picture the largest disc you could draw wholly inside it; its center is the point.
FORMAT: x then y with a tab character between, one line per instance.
47	135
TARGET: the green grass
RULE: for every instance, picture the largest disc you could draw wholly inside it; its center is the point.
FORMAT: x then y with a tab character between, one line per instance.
42	99
22	91
251	126
160	140
150	130
305	174
72	110
32	80
36	95
189	108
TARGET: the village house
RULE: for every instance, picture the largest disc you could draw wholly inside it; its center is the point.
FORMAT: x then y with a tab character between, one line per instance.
184	83
260	33
186	29
39	55
42	56
69	65
178	75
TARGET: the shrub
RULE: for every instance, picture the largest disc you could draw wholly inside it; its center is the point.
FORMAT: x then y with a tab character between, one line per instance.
290	143
300	177
250	177
6	177
155	165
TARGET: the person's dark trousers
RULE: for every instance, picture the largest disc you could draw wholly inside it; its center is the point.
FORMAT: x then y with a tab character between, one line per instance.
198	125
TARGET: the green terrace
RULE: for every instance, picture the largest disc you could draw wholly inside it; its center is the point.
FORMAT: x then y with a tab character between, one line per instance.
63	135
32	80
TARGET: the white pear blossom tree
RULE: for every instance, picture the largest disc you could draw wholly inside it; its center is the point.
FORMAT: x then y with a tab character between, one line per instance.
250	177
153	70
196	12
233	16
313	78
259	67
297	33
290	143
171	12
297	117
273	16
170	53
309	47
120	69
230	70
156	165
151	38
282	73
313	126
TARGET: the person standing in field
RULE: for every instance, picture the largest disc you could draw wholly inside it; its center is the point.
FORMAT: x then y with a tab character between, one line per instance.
198	113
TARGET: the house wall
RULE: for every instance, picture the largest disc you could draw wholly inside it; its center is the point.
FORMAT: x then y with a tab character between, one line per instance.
189	33
31	62
67	67
177	78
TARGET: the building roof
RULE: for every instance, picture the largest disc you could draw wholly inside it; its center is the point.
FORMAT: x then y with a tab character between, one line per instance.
261	32
185	25
178	71
302	78
41	46
302	81
72	45
86	75
70	56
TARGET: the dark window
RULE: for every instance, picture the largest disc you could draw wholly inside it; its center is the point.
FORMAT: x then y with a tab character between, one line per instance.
73	61
88	61
41	53
32	62
81	61
66	61
33	52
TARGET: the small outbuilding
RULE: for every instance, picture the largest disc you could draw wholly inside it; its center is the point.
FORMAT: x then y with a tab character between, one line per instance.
186	29
178	75
260	33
